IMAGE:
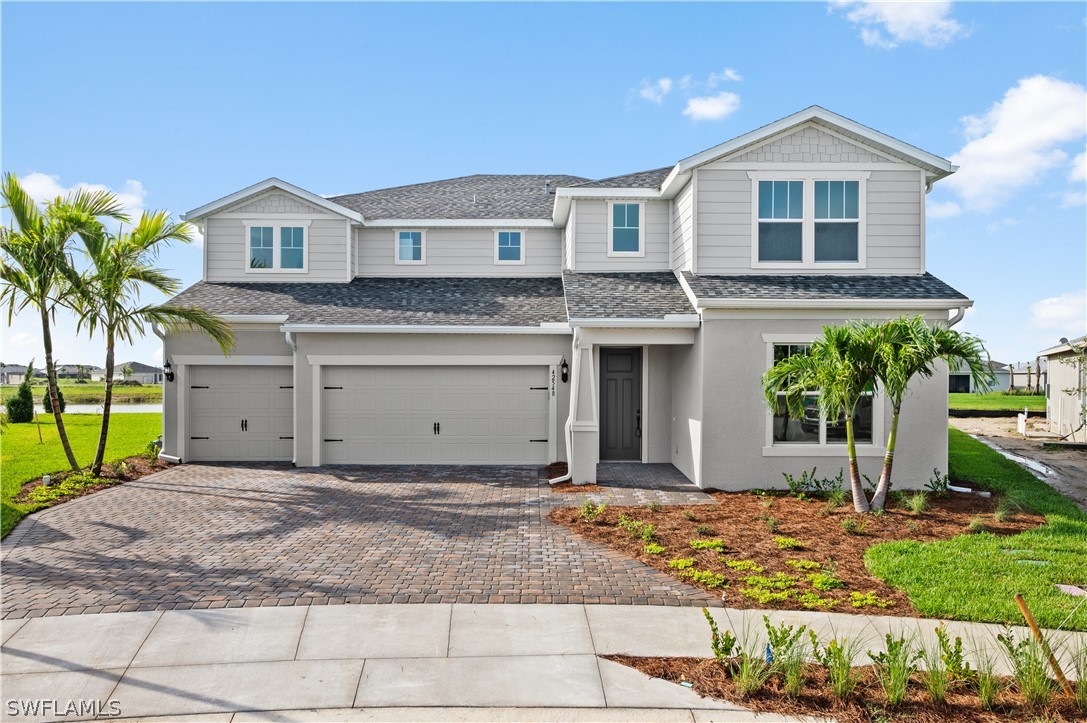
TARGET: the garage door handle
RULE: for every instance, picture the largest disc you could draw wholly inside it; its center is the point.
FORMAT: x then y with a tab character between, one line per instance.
193	386
198	437
543	389
287	387
286	437
329	387
329	440
537	440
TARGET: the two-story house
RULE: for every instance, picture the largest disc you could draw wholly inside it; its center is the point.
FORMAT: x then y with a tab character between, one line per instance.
525	319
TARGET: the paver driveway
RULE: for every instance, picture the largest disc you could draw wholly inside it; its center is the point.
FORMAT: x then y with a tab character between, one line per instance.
207	536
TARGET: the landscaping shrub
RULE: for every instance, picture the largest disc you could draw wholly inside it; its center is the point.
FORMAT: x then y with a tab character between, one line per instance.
788	543
708	578
20	407
837	657
47	404
743	565
591	513
707	545
895	666
653	549
723	646
1030	669
869	599
786	654
986	683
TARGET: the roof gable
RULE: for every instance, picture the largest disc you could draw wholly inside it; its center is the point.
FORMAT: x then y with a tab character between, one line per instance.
257	189
810	144
837	125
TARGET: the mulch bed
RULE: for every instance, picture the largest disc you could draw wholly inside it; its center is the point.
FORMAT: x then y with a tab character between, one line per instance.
742	521
112	474
710	679
558	469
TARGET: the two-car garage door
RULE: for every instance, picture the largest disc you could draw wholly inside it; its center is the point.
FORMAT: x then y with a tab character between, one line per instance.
434	415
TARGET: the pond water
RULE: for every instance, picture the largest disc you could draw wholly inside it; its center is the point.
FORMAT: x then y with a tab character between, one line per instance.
114	409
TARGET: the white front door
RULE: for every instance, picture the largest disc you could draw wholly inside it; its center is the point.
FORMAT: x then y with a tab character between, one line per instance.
435	415
240	414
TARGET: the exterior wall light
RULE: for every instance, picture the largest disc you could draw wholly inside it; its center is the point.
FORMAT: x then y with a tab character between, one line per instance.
565	369
168	371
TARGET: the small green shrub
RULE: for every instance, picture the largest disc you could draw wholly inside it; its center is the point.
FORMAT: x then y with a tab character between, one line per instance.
786	653
869	600
71	485
952	655
837	657
935	676
853	526
836	498
689	516
707	545
771	522
939	483
750	672
681	563
895	667
1079	686
808	484
654	507
743	565
20	407
1006	510
592	513
825	582
647	532
812	601
705	530
723	646
629	525
1029	668
705	577
763	596
47	404
653	549
151	451
976	526
804	565
917	502
788	543
986	683
780	581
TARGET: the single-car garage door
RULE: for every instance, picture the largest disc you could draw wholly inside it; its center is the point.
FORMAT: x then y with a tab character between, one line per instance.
240	414
435	415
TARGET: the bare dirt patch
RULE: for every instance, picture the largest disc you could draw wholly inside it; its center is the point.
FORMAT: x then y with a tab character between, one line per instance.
749	526
710	679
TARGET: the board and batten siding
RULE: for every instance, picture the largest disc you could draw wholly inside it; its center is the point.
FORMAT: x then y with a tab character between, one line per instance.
457	252
225	245
683	229
894	216
591	229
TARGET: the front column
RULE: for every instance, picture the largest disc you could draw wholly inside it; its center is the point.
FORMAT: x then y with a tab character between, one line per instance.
584	431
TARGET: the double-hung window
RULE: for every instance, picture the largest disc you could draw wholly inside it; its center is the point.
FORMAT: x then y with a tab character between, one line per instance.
808	220
790	429
410	247
276	247
509	247
625	238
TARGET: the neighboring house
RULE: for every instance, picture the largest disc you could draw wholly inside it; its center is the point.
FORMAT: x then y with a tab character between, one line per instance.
1066	392
142	373
75	371
12	374
523	319
959	381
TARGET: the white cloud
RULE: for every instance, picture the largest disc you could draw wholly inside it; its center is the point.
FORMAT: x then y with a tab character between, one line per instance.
44	188
1013	143
1066	313
1073	199
712	107
942	209
654	91
890	24
685	82
728	74
1079	168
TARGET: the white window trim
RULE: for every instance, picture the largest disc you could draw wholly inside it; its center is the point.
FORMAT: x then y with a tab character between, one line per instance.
809	177
822	449
277	224
521	260
640	253
396	247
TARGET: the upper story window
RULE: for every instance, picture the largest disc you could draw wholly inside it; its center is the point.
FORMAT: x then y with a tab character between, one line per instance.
410	247
809	220
509	247
626	230
276	247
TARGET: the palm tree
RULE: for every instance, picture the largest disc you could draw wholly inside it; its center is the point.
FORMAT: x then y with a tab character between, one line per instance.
904	348
121	265
838	367
35	263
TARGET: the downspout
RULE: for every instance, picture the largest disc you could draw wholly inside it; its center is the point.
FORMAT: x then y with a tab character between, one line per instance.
575	369
959	314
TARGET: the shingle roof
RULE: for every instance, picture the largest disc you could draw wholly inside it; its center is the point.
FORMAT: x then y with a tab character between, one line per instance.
139	367
819	286
641	179
422	301
641	295
479	196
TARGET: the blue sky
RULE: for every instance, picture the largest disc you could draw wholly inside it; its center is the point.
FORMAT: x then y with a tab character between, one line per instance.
174	105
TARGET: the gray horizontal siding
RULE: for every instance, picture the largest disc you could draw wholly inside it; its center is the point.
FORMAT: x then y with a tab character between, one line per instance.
457	252
893	218
227	260
683	229
591	229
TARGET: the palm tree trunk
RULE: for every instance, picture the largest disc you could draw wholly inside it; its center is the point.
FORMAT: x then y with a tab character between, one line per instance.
51	385
879	499
103	434
860	500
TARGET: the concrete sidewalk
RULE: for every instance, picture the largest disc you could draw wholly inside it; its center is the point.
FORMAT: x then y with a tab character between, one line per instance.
392	662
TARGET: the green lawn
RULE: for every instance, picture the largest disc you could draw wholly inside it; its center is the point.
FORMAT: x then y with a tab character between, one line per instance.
996	400
23	458
93	393
973	577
